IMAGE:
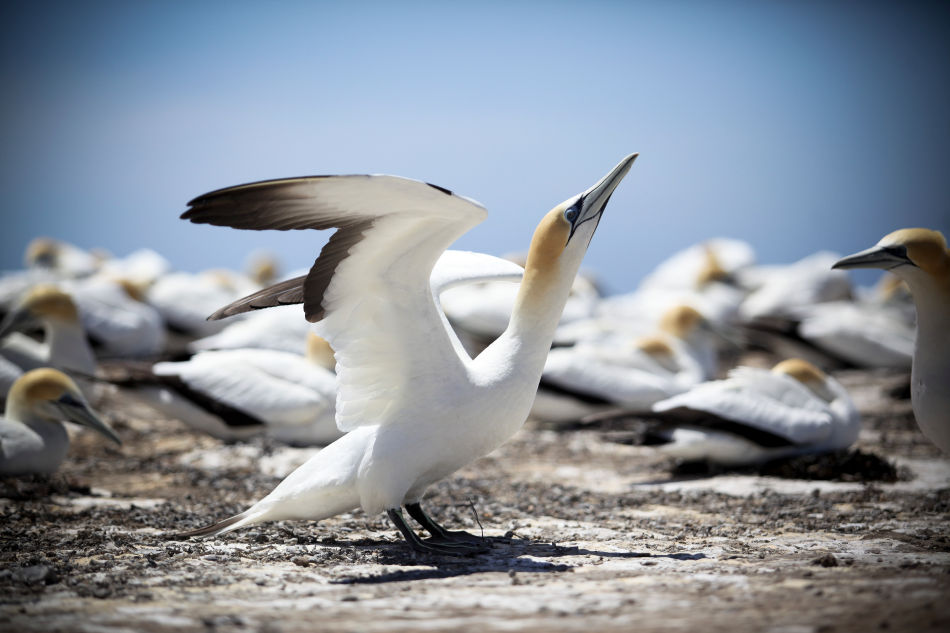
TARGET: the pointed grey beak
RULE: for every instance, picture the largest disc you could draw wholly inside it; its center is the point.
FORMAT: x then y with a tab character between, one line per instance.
76	410
594	200
883	257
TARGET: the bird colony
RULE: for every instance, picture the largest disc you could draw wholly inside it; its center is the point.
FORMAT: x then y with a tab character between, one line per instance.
407	361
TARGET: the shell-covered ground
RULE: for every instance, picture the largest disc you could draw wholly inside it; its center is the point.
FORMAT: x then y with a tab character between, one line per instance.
590	532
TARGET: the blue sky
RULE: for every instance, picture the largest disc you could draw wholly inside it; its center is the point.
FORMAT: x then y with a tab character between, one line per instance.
797	126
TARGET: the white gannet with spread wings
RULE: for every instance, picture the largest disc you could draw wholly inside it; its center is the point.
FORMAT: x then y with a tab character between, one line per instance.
415	406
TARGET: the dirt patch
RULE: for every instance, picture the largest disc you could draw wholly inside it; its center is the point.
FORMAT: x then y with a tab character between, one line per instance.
590	532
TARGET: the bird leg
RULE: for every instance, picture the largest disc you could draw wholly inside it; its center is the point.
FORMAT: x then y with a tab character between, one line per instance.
439	533
431	545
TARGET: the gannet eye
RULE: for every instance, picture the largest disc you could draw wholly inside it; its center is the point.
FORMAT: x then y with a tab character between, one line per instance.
571	214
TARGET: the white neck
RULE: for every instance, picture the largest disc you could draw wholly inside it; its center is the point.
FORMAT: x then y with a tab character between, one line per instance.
68	347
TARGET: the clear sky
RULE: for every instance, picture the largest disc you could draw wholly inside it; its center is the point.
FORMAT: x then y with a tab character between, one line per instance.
797	126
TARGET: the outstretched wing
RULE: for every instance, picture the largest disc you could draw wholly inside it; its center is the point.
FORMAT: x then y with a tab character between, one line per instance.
369	287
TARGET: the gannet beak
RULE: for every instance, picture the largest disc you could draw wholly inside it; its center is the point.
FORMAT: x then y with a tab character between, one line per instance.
76	410
885	257
594	200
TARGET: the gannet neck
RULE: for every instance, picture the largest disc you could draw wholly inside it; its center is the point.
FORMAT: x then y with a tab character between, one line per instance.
67	344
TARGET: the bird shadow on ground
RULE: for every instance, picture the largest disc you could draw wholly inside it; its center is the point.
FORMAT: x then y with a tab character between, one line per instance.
510	555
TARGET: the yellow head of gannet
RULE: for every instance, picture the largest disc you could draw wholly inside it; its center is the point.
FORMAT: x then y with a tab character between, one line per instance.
415	406
64	344
807	374
712	269
32	437
45	304
921	259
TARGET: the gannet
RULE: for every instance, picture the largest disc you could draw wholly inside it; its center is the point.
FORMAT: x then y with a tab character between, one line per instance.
627	371
185	299
415	407
861	333
236	393
64	343
920	258
784	289
115	316
701	275
756	415
32	436
62	258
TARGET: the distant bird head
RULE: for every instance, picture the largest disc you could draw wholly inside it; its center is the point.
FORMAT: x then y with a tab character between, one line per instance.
915	255
682	321
807	374
712	269
42	303
42	252
49	394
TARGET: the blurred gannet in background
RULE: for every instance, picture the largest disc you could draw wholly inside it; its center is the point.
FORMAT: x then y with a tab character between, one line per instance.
32	436
783	289
116	317
920	258
185	299
861	333
142	267
631	372
233	394
62	258
415	407
701	275
756	415
64	344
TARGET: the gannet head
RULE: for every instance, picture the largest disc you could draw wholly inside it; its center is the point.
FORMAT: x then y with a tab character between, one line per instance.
42	252
49	394
807	374
913	255
712	269
42	303
564	233
682	321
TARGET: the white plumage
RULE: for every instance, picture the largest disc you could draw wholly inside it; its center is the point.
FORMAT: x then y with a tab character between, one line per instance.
415	405
756	414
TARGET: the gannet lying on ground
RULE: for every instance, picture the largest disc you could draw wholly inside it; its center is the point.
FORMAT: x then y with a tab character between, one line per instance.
236	393
414	405
756	415
32	436
631	372
64	343
920	257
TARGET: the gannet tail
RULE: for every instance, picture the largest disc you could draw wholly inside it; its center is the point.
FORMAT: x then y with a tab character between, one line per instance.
221	527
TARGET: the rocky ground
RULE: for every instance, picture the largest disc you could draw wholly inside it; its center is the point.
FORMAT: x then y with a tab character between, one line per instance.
591	532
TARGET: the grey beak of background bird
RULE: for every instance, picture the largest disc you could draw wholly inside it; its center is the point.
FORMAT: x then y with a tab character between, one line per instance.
75	410
875	257
594	200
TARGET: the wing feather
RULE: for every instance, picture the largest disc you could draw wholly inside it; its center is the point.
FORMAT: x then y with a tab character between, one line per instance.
369	288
